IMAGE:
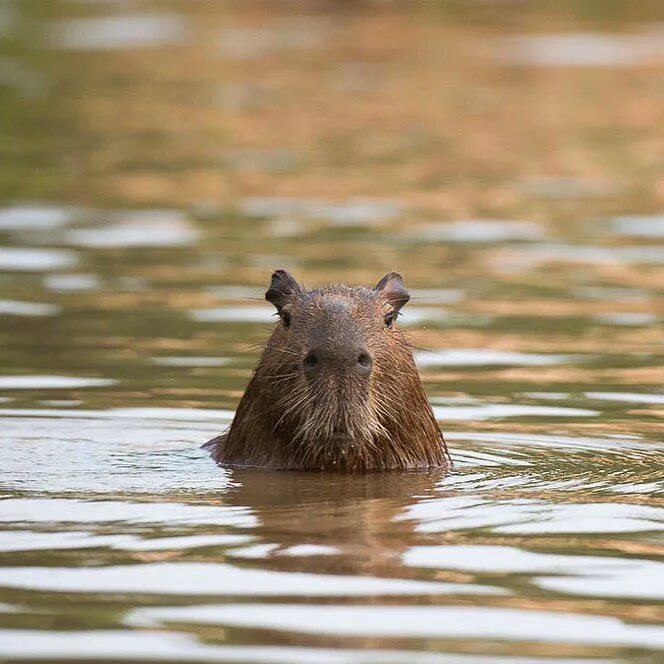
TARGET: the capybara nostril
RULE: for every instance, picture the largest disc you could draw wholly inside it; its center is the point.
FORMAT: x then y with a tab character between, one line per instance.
364	362
310	362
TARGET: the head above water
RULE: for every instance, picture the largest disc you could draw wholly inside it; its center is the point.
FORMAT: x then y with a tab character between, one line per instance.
336	387
337	329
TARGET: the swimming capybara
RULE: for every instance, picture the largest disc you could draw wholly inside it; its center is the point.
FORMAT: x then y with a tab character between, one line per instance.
336	388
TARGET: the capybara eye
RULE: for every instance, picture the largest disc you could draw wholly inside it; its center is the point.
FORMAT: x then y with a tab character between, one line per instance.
285	318
389	318
310	361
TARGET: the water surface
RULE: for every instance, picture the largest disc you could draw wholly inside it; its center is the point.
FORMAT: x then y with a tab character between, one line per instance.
163	158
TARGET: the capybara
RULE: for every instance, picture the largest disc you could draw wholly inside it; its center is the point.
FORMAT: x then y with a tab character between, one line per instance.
336	388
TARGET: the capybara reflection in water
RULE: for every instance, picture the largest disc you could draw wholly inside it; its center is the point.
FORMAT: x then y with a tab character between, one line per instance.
336	388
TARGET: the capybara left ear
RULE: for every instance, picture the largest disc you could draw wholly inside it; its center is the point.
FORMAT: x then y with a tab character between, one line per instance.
392	288
282	288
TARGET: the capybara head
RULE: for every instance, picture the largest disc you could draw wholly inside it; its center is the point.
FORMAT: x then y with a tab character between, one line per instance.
336	388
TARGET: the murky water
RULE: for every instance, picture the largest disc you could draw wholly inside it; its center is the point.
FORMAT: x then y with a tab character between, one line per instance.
160	158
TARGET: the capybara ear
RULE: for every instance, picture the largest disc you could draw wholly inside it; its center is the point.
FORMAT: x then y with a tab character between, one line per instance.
282	288
392	288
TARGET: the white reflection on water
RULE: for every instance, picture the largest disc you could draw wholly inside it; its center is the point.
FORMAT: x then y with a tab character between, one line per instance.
604	576
414	622
60	403
309	550
122	31
583	49
22	259
489	411
236	292
36	217
627	397
481	230
219	579
529	516
452	357
72	282
158	413
258	314
17	308
553	396
608	444
140	451
628	318
26	540
650	226
70	510
414	315
136	228
525	257
352	212
179	647
192	361
436	295
51	382
634	579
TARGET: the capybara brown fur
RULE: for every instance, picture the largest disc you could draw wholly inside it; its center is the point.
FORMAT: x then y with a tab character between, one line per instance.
336	388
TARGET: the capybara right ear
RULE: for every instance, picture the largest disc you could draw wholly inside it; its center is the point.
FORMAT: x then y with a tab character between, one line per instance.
393	290
282	288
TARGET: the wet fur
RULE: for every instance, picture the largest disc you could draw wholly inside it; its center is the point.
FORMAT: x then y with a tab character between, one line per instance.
285	421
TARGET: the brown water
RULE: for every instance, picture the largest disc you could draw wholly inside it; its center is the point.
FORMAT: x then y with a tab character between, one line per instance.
158	159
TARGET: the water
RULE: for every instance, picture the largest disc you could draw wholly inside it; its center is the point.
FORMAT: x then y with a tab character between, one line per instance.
162	160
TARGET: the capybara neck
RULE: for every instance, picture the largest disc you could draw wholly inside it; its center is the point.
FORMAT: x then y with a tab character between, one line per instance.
336	388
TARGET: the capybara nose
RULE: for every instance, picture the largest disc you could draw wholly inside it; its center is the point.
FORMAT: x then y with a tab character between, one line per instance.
364	362
354	360
310	362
